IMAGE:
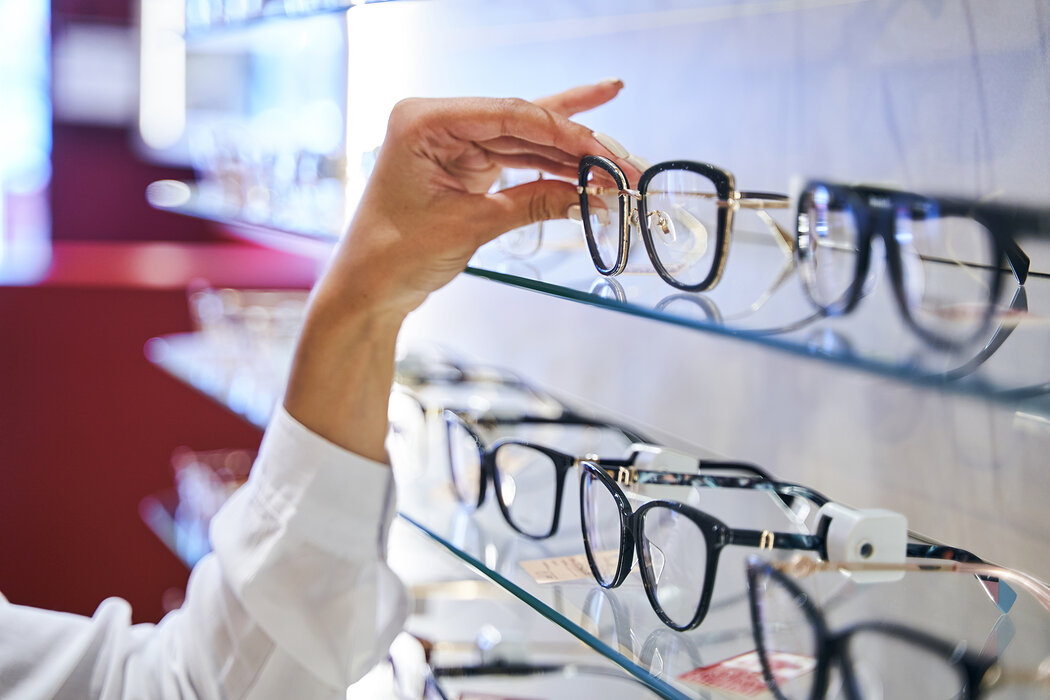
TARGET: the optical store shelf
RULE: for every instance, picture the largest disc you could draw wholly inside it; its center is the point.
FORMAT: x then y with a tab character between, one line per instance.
619	623
1009	363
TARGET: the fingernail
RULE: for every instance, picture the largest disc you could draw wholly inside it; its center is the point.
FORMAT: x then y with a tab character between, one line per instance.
574	213
612	144
638	162
610	81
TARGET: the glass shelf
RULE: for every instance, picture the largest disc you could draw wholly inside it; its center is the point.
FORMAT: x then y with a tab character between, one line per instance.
203	22
760	299
619	623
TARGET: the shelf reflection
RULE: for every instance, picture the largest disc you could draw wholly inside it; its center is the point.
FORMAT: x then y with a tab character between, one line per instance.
760	298
621	625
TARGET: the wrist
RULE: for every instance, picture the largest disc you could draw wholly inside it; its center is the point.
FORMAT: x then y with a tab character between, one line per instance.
339	385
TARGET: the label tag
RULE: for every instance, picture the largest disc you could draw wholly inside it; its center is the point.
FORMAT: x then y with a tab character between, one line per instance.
742	674
572	568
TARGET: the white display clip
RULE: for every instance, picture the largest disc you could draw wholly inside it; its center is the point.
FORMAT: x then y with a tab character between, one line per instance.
664	459
871	535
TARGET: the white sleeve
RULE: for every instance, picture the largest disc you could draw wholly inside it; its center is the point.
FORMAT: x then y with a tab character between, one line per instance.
296	600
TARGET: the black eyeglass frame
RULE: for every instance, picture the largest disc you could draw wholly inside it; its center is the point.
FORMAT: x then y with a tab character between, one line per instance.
1001	221
717	535
728	201
621	469
833	646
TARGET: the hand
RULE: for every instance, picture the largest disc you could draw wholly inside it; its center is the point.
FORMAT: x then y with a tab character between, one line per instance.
423	214
428	194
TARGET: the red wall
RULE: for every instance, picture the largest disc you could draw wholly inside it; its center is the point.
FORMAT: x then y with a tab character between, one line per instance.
87	425
88	429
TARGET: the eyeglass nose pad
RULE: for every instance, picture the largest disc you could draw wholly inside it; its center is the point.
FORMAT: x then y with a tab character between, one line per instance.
508	489
690	234
655	559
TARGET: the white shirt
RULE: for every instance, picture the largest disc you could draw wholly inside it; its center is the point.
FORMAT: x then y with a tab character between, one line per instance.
296	601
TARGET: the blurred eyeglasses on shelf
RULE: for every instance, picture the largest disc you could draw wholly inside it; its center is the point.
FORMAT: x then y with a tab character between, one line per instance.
800	653
946	257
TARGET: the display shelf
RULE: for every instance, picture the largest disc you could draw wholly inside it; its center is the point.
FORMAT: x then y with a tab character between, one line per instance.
620	624
160	514
206	24
761	300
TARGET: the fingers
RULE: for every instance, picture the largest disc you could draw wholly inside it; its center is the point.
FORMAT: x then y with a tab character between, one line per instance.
509	145
527	161
484	119
541	200
581	98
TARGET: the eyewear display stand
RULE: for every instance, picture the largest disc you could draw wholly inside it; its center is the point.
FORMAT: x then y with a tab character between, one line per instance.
857	406
551	576
760	300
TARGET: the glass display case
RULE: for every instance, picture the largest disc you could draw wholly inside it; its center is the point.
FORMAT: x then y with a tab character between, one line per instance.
945	99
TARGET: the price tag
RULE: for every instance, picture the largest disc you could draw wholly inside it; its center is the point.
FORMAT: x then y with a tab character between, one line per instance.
572	568
742	675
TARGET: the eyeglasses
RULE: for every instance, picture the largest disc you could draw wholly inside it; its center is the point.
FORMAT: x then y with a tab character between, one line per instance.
798	651
946	257
683	210
678	546
529	479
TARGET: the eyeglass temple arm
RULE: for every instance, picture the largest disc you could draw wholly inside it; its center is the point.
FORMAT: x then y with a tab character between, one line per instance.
766	539
761	480
1018	218
566	418
801	567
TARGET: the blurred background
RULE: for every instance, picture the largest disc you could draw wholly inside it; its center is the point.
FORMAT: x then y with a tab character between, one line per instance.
117	115
89	271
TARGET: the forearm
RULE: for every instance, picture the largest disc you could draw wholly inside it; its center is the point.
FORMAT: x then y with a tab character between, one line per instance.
341	377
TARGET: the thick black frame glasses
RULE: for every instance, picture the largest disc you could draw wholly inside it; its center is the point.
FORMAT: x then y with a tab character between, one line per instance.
555	465
614	534
977	245
975	672
676	228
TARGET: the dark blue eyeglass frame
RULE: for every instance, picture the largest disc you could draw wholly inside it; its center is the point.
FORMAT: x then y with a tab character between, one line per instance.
874	213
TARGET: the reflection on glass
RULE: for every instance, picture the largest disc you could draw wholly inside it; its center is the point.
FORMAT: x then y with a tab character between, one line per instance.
802	657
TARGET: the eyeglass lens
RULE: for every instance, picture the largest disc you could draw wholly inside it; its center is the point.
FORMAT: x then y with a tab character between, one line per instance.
829	248
465	461
674	561
950	265
682	219
603	526
527	480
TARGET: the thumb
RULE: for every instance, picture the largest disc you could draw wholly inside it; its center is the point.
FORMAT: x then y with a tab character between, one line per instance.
541	200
